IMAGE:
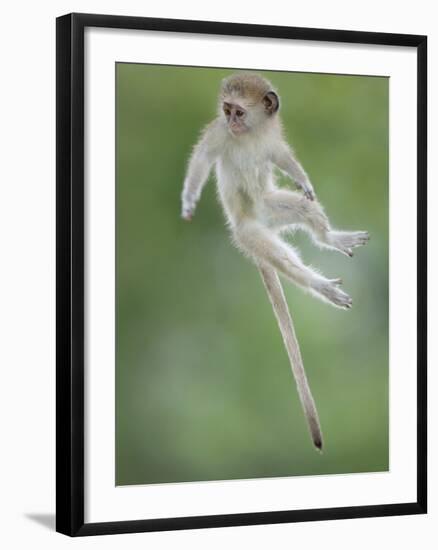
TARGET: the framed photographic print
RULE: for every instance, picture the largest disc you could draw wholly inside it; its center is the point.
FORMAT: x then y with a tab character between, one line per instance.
241	274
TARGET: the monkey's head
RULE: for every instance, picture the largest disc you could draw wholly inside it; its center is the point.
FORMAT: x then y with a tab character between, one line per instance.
246	102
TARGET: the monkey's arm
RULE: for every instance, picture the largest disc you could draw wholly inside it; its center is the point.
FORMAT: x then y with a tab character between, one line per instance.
201	161
284	158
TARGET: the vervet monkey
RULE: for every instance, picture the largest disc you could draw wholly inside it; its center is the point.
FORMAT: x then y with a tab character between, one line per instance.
245	143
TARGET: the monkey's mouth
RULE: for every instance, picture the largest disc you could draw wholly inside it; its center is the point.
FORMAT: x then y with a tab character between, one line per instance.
237	129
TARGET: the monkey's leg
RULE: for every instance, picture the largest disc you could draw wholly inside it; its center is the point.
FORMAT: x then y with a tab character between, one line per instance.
279	304
262	244
283	208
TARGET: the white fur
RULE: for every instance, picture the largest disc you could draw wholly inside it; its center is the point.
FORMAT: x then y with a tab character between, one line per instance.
256	209
257	212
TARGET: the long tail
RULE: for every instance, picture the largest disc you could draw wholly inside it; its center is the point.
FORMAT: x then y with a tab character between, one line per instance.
276	296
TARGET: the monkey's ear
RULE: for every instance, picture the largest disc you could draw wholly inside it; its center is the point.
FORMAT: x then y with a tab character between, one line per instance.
271	101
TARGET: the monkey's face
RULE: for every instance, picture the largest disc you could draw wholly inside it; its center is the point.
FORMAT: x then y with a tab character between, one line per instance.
244	114
236	117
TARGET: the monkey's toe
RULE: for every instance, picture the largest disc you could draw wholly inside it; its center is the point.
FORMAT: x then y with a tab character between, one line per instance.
337	297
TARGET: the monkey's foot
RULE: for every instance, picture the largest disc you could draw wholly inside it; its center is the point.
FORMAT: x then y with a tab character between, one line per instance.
345	241
330	291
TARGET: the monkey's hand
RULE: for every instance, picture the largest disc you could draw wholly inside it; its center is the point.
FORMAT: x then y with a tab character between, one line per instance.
307	189
188	208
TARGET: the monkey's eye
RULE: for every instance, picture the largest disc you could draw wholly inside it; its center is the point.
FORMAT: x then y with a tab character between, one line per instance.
239	113
227	112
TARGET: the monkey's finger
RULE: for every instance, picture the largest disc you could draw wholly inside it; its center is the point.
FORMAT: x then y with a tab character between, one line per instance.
187	216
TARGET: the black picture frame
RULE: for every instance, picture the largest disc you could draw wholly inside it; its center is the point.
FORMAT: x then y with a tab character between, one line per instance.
70	273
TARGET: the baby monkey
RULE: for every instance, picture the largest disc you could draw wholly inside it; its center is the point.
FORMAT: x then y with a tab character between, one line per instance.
245	143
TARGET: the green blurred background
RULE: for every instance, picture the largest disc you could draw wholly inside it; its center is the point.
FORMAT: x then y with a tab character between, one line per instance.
203	384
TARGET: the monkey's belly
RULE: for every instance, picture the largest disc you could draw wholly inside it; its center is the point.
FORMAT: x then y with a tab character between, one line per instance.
240	201
241	187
